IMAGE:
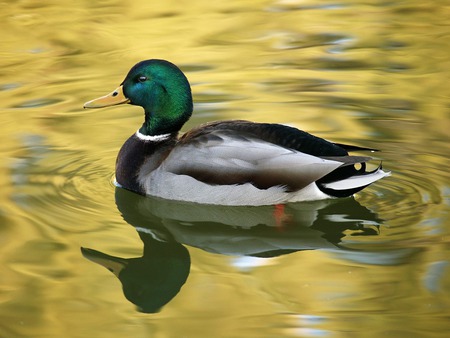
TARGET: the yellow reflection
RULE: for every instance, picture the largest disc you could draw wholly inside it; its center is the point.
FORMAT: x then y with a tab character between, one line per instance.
372	73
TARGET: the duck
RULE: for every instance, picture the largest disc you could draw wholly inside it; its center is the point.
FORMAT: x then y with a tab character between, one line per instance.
230	162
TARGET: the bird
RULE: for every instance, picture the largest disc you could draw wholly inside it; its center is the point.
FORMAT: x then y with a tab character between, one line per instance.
229	162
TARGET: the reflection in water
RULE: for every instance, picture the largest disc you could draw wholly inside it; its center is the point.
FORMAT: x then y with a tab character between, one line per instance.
152	280
370	72
165	226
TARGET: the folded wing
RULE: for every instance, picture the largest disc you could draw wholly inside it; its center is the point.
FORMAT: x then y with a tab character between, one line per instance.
219	157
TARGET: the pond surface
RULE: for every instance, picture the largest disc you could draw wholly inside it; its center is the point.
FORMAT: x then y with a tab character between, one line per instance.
370	73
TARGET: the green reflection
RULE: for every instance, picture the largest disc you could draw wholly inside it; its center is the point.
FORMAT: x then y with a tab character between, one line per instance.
165	227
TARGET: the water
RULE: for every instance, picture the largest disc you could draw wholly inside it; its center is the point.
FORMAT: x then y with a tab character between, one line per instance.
369	73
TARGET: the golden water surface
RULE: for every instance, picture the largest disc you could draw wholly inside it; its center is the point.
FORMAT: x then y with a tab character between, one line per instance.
372	73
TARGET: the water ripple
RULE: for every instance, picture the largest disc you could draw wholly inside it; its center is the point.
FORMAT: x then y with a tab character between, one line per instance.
35	103
63	187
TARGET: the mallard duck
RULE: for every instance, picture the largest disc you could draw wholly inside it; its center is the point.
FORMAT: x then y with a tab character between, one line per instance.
231	162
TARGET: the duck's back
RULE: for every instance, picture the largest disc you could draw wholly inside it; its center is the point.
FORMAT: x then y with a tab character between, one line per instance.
278	134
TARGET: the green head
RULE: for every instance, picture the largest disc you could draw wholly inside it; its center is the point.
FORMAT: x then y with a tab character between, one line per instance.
161	89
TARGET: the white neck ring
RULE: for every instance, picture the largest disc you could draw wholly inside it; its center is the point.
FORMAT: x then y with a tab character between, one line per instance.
153	138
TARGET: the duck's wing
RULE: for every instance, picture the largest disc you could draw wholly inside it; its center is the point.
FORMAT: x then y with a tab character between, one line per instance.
277	134
349	147
226	156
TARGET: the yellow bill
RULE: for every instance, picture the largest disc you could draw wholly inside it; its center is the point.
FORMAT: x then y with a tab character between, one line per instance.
112	99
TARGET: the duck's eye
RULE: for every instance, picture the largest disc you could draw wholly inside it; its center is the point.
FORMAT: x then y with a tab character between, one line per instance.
142	78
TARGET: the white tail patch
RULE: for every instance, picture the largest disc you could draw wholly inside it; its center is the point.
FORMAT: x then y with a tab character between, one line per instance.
357	181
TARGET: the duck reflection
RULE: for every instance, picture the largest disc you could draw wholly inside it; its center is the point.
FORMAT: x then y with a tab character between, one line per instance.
152	280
